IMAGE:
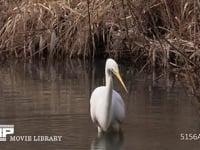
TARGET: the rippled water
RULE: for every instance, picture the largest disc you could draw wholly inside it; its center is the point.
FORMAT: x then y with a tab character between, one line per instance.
53	99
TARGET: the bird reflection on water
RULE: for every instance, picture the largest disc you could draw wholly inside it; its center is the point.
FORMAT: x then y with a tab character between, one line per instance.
108	141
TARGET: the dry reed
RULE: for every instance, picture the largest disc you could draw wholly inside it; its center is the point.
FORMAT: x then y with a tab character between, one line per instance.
151	33
154	33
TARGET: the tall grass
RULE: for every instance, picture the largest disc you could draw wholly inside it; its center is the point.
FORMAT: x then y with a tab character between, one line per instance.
151	33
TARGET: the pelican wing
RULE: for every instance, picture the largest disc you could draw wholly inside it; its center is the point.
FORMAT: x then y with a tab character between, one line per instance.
118	107
95	103
117	112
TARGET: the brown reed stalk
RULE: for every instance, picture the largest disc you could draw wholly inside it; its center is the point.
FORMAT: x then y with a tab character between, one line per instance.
149	33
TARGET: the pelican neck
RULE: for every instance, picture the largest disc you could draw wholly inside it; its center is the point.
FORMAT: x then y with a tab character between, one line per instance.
109	80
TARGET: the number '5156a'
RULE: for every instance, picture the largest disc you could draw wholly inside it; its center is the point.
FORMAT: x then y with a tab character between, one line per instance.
189	136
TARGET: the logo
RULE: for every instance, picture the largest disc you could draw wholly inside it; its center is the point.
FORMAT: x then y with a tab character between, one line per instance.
6	130
9	129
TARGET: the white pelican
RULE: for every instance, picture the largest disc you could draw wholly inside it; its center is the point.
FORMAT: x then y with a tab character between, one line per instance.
107	107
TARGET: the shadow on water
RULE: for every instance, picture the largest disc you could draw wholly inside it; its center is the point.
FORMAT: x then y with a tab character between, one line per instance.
42	98
43	89
108	141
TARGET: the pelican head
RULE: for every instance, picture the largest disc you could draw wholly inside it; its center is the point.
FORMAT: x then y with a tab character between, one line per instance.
112	68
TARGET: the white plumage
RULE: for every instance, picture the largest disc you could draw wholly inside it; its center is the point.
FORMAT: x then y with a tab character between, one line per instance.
107	107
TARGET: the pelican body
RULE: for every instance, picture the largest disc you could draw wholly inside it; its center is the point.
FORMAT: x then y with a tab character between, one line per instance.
107	108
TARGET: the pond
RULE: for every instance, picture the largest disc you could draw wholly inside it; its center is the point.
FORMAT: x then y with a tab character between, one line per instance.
52	99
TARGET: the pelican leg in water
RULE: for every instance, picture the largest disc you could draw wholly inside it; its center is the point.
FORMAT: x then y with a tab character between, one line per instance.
108	141
107	107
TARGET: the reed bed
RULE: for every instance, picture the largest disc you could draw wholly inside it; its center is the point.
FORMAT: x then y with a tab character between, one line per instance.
158	33
148	33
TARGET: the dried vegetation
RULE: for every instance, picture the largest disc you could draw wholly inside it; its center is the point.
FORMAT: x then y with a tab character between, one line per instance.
155	32
150	33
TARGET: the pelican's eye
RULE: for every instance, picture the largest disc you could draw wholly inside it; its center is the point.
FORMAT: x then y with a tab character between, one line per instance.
112	70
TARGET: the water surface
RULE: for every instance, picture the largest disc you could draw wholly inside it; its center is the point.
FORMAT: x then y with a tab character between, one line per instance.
53	99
